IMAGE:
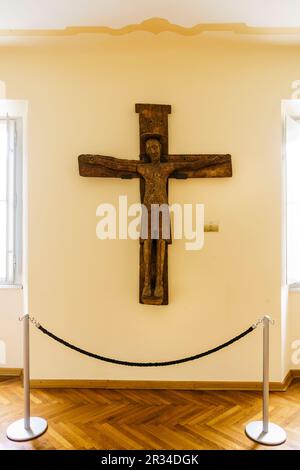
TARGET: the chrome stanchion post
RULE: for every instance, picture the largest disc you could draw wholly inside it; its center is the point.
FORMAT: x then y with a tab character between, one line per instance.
263	431
266	362
26	372
29	427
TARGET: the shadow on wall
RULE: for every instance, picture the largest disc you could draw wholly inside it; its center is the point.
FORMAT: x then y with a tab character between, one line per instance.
2	343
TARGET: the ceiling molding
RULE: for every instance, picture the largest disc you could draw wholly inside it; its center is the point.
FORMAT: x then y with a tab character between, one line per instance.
155	26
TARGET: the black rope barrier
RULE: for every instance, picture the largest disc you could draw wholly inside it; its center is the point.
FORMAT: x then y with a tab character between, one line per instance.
142	364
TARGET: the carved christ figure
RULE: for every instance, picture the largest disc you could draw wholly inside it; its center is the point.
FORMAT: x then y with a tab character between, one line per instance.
155	175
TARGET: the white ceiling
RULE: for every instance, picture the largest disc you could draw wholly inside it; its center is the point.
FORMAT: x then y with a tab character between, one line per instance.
52	14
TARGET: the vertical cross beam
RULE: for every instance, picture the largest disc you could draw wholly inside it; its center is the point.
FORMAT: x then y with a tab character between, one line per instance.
153	121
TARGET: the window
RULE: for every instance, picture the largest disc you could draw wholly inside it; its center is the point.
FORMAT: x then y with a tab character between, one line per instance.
291	110
10	200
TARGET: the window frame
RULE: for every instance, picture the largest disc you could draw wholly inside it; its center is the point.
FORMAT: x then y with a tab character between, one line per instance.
15	279
290	109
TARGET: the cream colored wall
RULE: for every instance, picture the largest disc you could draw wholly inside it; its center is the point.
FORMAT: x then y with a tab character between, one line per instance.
225	97
11	309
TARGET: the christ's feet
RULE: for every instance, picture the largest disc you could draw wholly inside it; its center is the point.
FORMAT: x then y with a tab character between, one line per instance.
146	291
159	291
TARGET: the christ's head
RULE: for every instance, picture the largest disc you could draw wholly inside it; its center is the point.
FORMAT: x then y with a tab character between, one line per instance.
153	150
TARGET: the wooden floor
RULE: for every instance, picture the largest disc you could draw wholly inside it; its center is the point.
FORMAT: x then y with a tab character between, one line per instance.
144	419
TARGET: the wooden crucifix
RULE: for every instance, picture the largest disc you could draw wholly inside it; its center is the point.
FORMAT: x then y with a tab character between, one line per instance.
154	169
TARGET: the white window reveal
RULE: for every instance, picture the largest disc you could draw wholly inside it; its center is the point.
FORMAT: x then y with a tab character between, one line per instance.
291	114
10	203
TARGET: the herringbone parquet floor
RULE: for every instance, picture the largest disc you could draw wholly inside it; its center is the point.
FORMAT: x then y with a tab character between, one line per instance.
144	419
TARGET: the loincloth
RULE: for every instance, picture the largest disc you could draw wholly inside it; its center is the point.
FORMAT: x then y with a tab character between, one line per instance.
156	224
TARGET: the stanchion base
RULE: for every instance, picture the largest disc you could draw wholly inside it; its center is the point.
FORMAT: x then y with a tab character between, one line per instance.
274	437
17	432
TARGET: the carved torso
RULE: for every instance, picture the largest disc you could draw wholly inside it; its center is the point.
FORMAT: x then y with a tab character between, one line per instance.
156	178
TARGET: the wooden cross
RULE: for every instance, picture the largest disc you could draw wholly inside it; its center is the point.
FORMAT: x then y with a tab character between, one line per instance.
154	169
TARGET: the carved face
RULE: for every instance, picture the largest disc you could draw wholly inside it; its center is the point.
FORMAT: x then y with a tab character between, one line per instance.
153	150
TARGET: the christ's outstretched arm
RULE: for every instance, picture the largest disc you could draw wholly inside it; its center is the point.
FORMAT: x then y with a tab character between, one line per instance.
202	161
112	163
108	167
